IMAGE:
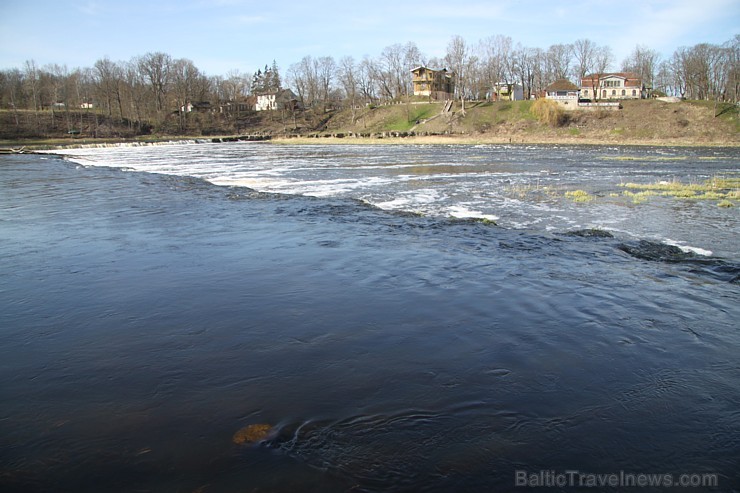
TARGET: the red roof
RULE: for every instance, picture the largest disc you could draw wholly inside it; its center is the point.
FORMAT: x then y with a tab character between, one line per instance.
561	85
631	79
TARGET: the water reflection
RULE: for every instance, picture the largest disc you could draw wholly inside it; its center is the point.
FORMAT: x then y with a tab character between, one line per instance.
149	318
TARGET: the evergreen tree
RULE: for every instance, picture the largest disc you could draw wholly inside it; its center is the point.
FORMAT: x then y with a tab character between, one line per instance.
275	76
266	81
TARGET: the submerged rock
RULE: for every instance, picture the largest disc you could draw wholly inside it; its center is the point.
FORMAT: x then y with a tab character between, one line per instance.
658	252
252	434
590	233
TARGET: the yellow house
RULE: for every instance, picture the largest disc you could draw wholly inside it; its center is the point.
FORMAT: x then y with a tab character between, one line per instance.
434	83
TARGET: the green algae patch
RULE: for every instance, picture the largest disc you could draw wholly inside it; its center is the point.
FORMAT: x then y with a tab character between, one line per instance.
643	158
579	196
715	188
639	197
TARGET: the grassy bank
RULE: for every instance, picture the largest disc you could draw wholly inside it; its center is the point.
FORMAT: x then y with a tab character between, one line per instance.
648	122
644	122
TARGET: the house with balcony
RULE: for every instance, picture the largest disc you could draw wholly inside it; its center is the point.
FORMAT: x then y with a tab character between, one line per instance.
564	93
438	84
612	86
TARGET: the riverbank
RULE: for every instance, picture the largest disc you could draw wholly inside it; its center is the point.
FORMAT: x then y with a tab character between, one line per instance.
462	139
643	123
449	139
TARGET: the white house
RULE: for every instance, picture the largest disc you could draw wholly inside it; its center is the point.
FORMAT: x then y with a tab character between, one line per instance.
507	92
615	85
282	99
563	92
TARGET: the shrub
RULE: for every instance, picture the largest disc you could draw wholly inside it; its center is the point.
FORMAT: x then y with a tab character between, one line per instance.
549	112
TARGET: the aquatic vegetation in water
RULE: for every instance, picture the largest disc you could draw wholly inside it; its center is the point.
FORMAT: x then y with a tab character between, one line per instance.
252	434
643	158
579	196
715	188
725	203
639	197
534	191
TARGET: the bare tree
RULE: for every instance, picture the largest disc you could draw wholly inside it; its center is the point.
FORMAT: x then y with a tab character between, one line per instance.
184	79
61	90
379	78
496	55
109	79
679	68
527	68
592	60
584	53
733	62
459	59
303	78
12	88
558	61
137	92
326	68
348	79
412	58
644	62
156	69
235	85
365	80
32	80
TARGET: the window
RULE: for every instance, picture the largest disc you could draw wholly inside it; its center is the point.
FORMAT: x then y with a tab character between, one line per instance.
603	93
634	92
614	92
624	92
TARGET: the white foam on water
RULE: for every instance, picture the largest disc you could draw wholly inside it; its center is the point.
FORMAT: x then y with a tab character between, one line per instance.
423	200
687	248
395	204
510	184
462	212
260	184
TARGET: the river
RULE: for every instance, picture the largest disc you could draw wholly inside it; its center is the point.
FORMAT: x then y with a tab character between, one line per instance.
361	302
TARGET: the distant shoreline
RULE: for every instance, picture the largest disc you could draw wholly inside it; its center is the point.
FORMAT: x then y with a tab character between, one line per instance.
460	139
451	139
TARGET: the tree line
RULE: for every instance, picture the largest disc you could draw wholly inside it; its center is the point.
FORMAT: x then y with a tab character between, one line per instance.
150	88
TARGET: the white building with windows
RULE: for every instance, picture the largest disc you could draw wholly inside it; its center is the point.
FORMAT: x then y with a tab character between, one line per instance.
563	92
616	85
280	100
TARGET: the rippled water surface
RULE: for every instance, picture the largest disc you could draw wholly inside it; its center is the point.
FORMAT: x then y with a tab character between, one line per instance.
519	187
146	318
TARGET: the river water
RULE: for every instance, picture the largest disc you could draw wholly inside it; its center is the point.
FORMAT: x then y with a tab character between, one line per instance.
343	296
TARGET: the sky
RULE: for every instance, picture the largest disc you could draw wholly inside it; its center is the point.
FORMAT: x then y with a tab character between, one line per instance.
221	36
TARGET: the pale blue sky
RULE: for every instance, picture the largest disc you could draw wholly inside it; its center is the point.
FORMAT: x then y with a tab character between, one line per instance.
223	35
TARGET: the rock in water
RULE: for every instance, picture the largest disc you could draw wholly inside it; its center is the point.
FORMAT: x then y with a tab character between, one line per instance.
252	434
